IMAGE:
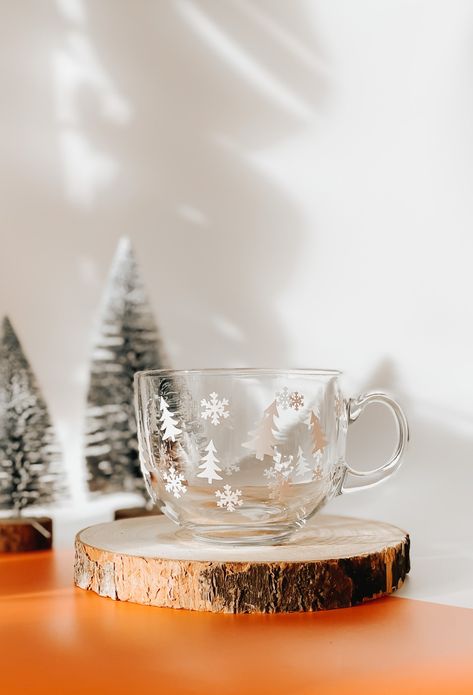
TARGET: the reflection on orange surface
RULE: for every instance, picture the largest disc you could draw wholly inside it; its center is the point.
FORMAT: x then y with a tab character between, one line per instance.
58	639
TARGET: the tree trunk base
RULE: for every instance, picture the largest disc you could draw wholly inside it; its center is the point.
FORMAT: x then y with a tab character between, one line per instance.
26	534
335	562
134	512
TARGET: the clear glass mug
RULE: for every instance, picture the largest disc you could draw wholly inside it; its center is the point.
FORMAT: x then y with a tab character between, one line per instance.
249	455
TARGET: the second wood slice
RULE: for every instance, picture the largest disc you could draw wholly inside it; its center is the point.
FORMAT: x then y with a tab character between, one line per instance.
134	512
25	534
335	562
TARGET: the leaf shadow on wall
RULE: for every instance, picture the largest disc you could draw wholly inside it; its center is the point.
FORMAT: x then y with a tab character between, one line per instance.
147	119
210	85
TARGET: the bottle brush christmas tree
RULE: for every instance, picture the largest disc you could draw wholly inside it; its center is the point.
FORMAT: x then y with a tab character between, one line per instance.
127	342
30	464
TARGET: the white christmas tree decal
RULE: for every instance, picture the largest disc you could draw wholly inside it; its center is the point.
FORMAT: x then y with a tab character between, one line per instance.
302	467
318	437
209	464
168	422
263	438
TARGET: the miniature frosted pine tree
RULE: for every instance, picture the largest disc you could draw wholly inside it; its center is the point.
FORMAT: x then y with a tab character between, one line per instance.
128	342
302	467
30	470
168	422
263	438
209	466
318	437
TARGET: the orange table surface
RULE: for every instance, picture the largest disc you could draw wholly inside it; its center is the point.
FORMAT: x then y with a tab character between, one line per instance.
55	638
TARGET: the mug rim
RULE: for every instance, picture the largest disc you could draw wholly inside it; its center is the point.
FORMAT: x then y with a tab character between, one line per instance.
238	371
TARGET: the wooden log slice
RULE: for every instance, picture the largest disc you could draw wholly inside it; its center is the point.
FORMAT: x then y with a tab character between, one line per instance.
335	562
24	534
133	512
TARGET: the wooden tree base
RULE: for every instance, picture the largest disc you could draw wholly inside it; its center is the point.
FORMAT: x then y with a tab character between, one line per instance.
335	562
133	512
24	534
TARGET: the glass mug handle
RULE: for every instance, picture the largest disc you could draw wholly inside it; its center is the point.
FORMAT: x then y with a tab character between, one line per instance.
355	407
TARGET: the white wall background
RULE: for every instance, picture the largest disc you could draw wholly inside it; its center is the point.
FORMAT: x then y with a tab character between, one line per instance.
296	179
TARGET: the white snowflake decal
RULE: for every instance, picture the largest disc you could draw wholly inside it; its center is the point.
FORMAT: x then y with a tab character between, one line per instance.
283	398
296	400
174	482
229	499
286	399
231	468
214	408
